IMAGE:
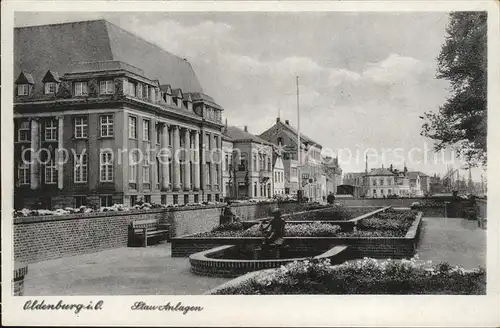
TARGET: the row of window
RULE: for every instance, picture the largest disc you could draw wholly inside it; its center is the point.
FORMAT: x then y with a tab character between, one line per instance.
106	128
107	87
80	170
279	177
265	190
390	182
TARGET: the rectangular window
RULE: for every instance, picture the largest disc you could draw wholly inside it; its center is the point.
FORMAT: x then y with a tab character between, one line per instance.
132	127
226	163
81	168
131	89
132	173
147	199
23	173
81	127
106	167
164	199
50	172
50	130
24	132
50	88
146	92
146	128
107	87
217	174
207	173
158	134
209	197
186	199
254	168
80	201
106	201
107	128
216	197
146	168
80	89
176	199
23	89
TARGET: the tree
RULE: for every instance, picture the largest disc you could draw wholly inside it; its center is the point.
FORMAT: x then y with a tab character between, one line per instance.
461	122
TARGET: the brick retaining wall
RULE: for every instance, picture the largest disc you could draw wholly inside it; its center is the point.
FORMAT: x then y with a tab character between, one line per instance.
42	238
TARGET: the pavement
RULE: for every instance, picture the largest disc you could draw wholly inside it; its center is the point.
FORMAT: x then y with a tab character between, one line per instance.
152	270
454	240
121	271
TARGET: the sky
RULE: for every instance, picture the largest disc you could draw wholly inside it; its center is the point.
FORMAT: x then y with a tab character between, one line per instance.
364	78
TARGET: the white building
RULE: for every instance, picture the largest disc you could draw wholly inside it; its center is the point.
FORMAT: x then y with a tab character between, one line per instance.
278	176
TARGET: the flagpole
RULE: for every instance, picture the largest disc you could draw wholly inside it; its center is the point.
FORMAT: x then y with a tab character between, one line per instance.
298	140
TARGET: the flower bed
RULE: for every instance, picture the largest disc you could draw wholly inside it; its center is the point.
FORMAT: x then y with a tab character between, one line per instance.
332	213
315	229
390	223
367	276
386	224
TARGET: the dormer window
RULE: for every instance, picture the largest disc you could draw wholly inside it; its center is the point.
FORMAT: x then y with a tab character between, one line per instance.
50	88
51	82
24	84
179	102
23	89
80	88
131	89
107	87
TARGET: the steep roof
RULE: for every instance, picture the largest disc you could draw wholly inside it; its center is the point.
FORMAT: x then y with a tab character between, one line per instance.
59	47
290	131
380	171
236	134
414	174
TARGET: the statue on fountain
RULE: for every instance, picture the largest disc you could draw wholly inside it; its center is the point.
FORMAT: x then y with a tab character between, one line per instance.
274	230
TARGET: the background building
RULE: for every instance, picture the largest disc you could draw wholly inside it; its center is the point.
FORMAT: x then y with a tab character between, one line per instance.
311	179
251	164
278	175
99	91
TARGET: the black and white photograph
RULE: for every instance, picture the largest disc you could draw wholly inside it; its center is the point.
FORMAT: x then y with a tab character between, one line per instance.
210	153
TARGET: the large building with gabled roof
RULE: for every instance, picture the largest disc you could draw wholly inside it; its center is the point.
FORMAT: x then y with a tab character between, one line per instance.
108	112
312	176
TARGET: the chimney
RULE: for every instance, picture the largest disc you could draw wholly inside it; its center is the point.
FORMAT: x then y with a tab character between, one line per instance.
277	119
287	122
246	128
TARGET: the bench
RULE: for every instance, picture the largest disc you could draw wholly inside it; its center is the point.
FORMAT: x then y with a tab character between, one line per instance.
145	229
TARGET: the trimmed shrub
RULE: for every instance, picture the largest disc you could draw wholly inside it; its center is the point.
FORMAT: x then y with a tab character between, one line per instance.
367	276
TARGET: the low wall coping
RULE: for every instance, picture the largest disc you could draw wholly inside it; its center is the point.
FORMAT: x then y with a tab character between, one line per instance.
411	233
76	216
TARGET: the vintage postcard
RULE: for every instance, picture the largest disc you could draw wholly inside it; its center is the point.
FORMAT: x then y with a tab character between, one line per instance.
250	163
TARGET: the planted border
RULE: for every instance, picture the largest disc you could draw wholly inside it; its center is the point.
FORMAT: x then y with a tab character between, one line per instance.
375	247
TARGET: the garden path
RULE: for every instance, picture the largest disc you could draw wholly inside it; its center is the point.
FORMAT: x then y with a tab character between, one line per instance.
456	241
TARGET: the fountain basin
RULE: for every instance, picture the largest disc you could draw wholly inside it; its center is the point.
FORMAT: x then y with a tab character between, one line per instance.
228	261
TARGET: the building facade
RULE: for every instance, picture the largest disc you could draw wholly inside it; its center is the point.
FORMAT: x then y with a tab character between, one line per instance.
311	180
103	117
278	175
250	169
